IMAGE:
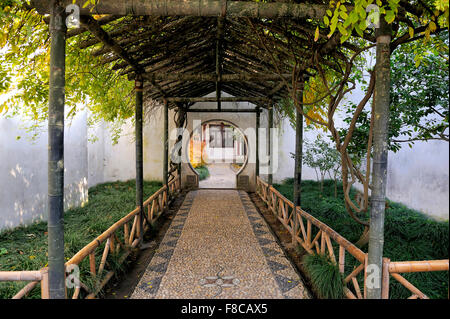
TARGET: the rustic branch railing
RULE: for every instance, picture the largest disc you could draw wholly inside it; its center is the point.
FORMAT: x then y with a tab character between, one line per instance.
317	237
117	243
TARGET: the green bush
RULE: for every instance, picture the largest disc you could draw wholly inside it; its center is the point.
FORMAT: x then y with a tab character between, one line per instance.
203	172
325	276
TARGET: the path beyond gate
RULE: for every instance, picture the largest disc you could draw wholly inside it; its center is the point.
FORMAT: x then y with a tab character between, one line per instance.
218	246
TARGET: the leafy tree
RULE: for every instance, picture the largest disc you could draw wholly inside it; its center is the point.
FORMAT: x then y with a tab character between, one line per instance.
324	159
419	99
24	73
419	93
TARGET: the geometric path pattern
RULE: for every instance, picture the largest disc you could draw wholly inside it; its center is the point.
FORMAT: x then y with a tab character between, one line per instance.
218	246
281	267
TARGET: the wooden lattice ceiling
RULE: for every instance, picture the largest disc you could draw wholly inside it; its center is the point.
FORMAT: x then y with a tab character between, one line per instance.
192	56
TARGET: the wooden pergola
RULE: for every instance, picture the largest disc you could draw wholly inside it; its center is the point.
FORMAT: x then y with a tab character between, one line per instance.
179	51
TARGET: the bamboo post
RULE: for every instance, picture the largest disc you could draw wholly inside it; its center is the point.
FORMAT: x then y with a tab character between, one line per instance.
302	226
341	259
219	35
322	243
380	154
298	151
92	263
257	140
308	232
133	229
126	234
270	137
166	143
357	289
112	244
152	210
76	293
295	225
139	85
385	279
366	263
330	248
56	272
298	147
45	293
104	256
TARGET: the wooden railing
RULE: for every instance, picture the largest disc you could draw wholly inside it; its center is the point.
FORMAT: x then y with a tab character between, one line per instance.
317	237
394	269
115	244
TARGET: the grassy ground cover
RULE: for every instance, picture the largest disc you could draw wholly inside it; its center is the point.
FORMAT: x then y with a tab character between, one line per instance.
25	248
409	235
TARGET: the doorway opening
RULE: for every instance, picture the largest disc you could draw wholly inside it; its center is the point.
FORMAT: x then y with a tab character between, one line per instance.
218	152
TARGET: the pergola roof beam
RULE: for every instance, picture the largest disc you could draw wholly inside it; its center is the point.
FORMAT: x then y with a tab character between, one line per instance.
250	99
92	25
211	77
223	110
200	8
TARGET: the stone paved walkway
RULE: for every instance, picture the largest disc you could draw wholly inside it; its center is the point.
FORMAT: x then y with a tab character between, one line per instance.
218	246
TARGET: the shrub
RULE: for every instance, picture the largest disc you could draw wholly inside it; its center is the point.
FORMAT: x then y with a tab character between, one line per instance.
408	234
203	172
325	276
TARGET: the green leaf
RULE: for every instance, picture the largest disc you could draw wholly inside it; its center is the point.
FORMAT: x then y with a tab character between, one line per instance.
359	31
390	16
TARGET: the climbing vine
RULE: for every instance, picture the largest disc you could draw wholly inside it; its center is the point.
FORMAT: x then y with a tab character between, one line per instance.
326	90
24	74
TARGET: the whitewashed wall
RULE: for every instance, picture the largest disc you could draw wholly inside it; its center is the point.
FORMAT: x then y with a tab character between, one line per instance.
110	162
23	164
116	162
417	177
23	171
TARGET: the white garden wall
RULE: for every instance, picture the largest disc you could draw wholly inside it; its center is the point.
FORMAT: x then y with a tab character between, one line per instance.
23	171
417	177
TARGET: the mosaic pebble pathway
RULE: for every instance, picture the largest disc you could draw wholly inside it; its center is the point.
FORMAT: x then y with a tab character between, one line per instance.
218	246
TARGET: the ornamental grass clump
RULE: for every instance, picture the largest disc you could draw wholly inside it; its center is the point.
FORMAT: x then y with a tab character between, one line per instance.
325	276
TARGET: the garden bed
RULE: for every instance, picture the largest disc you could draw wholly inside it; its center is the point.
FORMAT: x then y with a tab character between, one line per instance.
25	248
409	235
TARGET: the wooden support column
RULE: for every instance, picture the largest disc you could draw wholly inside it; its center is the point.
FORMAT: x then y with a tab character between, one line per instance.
220	21
298	158
270	137
139	84
166	143
257	140
56	268
380	156
199	8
